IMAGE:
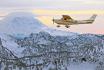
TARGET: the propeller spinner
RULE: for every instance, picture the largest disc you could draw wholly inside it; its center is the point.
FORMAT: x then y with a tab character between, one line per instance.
53	20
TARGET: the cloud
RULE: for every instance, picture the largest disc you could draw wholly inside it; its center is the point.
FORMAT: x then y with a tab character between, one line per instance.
52	4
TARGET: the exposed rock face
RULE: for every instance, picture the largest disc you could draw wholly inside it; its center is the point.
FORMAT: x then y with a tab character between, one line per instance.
85	44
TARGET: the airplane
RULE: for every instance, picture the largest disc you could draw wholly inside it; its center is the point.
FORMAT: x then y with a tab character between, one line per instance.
67	21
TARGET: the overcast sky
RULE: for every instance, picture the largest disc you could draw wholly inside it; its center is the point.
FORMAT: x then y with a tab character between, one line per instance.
53	4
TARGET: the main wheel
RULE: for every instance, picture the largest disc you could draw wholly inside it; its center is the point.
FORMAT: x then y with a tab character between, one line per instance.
67	26
58	25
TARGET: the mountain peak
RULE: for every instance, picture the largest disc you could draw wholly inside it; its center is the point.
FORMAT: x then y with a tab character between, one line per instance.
21	14
20	22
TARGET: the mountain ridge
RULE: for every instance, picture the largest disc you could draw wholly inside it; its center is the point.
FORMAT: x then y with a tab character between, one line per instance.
45	45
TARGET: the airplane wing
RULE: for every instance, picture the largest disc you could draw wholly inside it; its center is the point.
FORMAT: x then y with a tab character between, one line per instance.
65	17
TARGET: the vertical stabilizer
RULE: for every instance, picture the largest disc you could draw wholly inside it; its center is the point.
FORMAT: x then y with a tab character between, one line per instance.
93	17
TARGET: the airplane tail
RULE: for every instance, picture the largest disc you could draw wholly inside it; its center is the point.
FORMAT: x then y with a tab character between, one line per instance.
93	17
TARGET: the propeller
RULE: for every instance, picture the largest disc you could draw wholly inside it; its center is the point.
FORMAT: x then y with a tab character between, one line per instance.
53	20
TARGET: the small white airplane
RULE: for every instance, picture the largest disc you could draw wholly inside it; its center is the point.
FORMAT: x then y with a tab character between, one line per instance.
67	21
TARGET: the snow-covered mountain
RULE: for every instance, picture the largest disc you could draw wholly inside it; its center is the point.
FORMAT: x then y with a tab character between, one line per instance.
20	23
22	26
23	37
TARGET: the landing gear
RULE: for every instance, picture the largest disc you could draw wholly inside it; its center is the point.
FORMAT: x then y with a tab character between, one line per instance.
58	25
67	26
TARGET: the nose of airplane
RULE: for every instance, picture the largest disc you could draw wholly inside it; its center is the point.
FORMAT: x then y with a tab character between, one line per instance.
53	20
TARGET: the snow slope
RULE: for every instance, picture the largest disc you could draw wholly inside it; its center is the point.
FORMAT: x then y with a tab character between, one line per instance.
20	23
82	66
9	43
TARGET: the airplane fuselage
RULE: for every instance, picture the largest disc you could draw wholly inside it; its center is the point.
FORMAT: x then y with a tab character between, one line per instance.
67	21
72	22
